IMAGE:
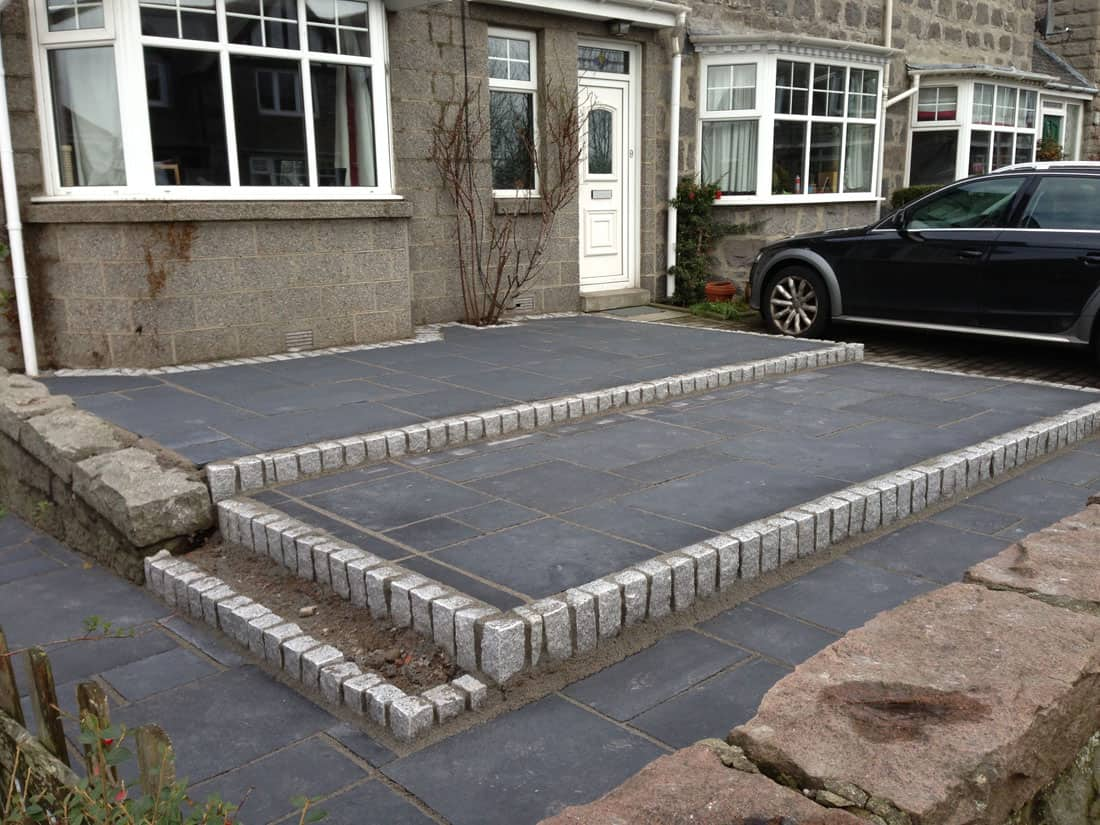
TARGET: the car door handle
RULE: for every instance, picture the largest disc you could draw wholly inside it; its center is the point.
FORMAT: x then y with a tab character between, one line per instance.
971	253
1092	259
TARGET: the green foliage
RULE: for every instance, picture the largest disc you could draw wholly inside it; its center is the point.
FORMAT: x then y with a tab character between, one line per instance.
42	510
1049	149
100	628
102	798
727	310
696	233
908	194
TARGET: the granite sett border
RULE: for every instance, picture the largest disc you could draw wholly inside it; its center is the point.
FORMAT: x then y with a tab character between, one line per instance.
317	666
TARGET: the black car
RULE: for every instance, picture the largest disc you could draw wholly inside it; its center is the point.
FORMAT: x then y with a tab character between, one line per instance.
1014	253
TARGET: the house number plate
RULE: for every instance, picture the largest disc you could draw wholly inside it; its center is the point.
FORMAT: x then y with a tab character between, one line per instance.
601	194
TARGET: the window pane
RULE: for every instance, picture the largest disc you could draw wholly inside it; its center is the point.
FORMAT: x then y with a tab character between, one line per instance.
322	39
1025	116
159	22
180	19
511	127
731	88
979	204
932	159
825	157
72	15
1025	147
593	59
1006	106
352	13
343	118
600	142
828	90
863	93
859	157
1002	149
792	88
1073	121
186	121
271	137
729	155
979	152
86	119
1064	203
937	103
983	103
509	58
789	157
198	26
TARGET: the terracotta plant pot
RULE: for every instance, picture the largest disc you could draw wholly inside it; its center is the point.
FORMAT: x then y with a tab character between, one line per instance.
720	292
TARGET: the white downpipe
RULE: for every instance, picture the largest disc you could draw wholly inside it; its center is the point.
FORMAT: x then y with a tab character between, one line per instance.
674	148
15	225
888	42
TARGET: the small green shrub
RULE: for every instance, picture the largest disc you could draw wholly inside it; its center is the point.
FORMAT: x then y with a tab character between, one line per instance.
727	310
900	197
696	233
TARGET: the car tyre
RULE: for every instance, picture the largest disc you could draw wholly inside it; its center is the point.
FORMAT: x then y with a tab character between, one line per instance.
795	302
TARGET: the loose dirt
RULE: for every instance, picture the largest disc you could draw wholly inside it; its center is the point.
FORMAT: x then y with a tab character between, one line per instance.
400	655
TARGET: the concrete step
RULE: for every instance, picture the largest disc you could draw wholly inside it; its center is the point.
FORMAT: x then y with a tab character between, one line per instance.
613	299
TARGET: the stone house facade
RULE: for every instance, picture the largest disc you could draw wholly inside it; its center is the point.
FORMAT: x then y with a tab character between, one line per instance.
205	179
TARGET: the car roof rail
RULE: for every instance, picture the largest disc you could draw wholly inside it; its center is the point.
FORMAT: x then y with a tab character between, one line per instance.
1051	165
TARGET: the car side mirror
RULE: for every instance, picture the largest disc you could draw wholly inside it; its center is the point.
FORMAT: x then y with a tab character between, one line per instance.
901	223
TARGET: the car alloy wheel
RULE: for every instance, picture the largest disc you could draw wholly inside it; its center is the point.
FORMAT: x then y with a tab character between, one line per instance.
793	304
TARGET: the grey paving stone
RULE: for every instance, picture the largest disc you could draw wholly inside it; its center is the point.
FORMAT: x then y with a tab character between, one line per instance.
372	803
12	570
625	443
711	708
397	500
361	744
662	534
520	558
461	582
310	768
243	710
1032	498
843	594
13	530
524	766
919	409
554	486
648	678
772	634
432	533
489	462
1079	468
934	551
79	660
157	673
495	515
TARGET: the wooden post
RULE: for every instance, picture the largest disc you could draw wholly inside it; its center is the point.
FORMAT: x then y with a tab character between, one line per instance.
47	712
92	701
156	759
9	693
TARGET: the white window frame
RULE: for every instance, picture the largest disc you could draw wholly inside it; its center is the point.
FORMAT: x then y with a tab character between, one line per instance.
123	32
1060	104
766	57
964	126
531	87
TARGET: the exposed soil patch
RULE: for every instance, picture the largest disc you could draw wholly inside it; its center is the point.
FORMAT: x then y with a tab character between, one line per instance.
402	656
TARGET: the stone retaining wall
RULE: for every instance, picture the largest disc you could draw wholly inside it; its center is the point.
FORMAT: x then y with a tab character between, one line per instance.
977	703
96	487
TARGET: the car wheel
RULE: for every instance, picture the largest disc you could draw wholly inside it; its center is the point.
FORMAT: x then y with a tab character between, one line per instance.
796	303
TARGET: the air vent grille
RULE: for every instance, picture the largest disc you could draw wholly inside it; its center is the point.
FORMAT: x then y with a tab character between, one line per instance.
299	340
525	301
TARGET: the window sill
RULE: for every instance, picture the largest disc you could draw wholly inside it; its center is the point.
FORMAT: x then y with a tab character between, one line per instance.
66	210
795	200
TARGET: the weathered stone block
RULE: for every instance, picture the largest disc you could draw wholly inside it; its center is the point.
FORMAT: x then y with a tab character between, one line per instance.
534	644
751	548
421	600
210	601
706	568
659	581
502	646
378	580
380	698
333	677
466	642
633	587
242	616
293	651
410	716
938	711
609	607
222	479
250	472
582	618
401	600
355	691
475	692
355	451
446	701
304	548
257	627
274	639
443	620
557	628
316	659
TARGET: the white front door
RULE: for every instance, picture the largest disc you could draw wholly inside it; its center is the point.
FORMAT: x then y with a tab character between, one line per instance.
606	185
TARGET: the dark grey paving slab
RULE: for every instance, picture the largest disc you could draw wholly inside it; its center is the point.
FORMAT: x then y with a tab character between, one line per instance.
714	707
322	369
96	384
625	443
1034	498
673	466
73	594
1079	468
297	398
884	379
360	744
371	803
1031	398
543	557
490	462
838	458
75	661
13	530
934	551
203	638
495	515
917	409
660	533
772	414
650	677
843	594
341	530
433	533
15	569
554	486
154	674
445	402
976	519
291	429
524	766
243	711
773	634
310	768
398	500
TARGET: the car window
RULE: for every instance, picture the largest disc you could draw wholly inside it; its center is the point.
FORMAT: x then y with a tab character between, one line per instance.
981	204
1064	203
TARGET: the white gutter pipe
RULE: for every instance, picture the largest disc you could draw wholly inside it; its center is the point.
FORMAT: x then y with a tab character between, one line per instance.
888	42
674	148
15	225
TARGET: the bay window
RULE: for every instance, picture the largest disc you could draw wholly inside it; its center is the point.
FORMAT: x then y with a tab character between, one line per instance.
214	98
784	127
970	127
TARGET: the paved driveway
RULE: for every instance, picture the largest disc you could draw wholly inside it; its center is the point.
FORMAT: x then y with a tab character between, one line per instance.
233	411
